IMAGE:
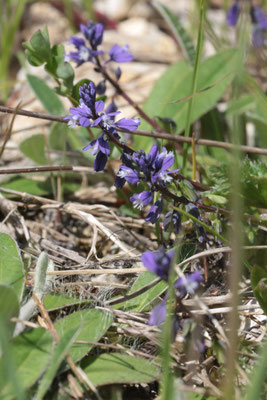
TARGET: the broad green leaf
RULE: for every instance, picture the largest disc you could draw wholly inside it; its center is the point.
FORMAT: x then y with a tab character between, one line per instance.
54	301
39	188
93	323
47	97
9	307
66	73
40	44
8	372
34	148
258	276
178	30
240	105
31	352
118	368
142	302
11	266
59	353
215	74
58	136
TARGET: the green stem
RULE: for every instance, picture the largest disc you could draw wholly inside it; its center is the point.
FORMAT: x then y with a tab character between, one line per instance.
166	384
194	81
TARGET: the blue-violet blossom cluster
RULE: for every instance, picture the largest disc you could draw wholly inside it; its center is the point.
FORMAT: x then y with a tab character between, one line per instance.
151	169
87	48
258	20
90	113
160	264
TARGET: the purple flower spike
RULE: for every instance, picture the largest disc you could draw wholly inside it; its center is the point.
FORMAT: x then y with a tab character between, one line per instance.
188	284
258	17
93	33
120	54
158	314
158	262
233	14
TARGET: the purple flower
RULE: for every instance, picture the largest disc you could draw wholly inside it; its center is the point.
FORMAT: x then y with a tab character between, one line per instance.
128	174
139	200
152	167
154	212
258	20
83	53
258	17
158	314
120	54
188	284
158	262
101	149
233	14
81	115
93	33
89	113
260	24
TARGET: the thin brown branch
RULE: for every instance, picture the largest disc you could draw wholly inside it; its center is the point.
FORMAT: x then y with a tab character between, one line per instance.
31	114
201	142
159	135
44	168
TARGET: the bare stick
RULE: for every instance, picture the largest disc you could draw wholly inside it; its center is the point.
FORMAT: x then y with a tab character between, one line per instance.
118	271
159	135
45	168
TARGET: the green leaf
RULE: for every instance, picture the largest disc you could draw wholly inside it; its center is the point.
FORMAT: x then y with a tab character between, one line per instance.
38	49
255	192
258	277
117	368
47	97
38	188
34	148
178	30
258	381
55	301
31	352
144	300
60	351
215	74
8	372
58	136
93	323
40	44
9	307
11	266
65	72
